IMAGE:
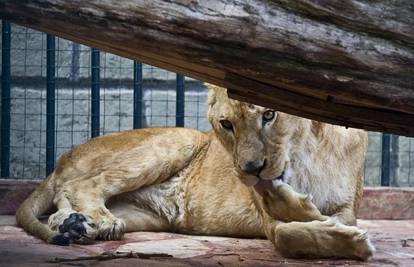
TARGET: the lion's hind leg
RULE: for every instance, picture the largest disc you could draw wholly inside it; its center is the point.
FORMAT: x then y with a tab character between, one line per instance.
138	219
79	227
77	197
121	217
78	222
88	218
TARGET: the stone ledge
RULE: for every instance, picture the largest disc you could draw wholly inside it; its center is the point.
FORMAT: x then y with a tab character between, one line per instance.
392	203
13	192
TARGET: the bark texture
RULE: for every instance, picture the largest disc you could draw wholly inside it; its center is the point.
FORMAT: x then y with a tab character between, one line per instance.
347	62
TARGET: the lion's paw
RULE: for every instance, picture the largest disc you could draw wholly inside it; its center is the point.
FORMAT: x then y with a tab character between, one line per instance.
357	239
362	245
111	229
282	202
77	228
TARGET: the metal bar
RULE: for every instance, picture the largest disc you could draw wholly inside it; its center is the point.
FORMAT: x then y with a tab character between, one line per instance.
50	104
137	95
179	110
95	97
5	100
74	69
394	160
386	160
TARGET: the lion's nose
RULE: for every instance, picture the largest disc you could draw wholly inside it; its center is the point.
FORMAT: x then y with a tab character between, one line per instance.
252	167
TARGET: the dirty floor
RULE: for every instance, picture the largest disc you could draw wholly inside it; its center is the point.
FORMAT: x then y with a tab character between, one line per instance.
394	241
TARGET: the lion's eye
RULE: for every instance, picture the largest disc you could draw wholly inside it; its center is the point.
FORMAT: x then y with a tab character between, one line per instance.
226	124
268	115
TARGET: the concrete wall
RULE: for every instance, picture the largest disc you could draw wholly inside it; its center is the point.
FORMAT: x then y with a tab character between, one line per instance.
28	124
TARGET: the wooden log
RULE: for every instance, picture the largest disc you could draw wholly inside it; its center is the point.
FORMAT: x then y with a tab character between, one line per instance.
347	62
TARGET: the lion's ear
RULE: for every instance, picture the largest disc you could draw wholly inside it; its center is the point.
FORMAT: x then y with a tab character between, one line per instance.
213	92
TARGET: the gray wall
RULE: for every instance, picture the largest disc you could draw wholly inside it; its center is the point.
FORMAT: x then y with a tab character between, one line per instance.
28	124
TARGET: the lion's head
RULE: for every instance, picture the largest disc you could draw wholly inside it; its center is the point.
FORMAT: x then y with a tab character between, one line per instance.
257	137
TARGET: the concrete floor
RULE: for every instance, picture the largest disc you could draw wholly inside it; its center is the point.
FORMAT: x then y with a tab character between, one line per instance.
393	239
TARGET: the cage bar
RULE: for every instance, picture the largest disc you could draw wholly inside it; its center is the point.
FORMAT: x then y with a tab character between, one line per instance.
95	94
50	103
385	160
5	99
137	95
75	68
179	112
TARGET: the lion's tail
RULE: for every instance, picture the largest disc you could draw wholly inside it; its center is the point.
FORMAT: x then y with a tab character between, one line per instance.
40	201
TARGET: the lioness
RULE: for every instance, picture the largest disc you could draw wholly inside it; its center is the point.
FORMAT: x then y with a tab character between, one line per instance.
236	181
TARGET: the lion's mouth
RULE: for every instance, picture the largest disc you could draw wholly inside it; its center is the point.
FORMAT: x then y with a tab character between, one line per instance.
262	185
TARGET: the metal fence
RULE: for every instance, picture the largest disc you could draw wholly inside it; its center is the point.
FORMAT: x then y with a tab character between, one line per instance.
56	94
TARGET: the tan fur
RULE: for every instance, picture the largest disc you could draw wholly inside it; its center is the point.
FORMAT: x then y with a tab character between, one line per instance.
182	180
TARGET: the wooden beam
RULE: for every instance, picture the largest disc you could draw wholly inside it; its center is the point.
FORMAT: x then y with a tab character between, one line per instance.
346	62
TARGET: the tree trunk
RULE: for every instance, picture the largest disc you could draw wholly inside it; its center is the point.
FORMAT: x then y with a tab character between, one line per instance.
347	62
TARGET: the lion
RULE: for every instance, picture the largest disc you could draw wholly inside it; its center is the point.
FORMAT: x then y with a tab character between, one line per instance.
258	173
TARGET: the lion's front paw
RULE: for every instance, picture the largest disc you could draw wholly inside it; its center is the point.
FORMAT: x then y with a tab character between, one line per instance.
357	239
327	239
364	248
283	203
111	229
310	211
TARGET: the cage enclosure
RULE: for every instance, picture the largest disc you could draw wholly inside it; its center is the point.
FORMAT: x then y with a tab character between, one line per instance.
57	94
